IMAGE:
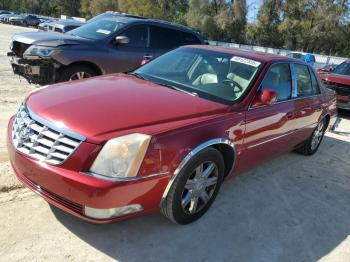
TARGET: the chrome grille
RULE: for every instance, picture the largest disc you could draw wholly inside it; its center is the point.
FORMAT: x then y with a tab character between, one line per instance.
39	141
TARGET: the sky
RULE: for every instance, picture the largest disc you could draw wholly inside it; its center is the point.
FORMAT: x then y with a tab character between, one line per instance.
253	8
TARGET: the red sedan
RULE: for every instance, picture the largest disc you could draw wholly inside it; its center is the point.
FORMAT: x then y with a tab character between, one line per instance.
164	137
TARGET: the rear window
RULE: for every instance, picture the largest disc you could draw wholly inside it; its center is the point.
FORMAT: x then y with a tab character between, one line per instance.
165	38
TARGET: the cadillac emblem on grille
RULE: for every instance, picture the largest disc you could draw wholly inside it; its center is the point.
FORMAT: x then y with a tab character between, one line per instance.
40	140
24	134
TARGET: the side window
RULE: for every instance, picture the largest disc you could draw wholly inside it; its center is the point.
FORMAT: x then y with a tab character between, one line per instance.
164	38
315	86
304	85
188	39
278	78
138	36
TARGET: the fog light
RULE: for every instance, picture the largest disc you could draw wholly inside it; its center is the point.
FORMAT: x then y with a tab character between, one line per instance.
112	212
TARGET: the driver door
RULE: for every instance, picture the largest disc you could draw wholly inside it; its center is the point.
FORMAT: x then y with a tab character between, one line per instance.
127	57
269	128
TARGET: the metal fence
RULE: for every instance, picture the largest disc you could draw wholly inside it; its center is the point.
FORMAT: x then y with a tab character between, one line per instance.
321	60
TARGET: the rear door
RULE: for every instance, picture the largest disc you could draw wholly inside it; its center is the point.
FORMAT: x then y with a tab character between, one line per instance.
269	128
163	39
308	101
127	57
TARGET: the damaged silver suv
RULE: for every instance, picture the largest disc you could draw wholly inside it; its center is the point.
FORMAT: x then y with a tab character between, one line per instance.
111	44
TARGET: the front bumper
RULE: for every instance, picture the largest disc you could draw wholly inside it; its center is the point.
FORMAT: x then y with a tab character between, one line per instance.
70	190
37	71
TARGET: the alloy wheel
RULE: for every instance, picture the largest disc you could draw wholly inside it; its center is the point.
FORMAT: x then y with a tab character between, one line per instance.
199	187
79	75
317	135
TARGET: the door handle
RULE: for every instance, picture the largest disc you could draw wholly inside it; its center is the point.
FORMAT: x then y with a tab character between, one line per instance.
147	57
290	115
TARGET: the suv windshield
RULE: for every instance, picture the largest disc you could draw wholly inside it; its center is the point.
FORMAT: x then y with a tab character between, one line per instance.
213	75
342	69
97	30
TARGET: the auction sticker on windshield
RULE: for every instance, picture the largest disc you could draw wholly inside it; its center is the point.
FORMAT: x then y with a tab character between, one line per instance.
103	31
245	61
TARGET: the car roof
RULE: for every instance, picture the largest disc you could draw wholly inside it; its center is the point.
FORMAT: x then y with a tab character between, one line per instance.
255	55
127	18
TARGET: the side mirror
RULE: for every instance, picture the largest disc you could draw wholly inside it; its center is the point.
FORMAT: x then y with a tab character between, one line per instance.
122	40
267	97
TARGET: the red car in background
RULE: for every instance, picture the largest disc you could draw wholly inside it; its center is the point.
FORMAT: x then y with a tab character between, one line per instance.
164	137
338	79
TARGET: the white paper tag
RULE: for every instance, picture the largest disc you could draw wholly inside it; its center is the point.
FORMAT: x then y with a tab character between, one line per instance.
103	31
245	61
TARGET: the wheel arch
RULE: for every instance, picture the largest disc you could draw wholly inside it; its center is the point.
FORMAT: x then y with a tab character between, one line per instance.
223	145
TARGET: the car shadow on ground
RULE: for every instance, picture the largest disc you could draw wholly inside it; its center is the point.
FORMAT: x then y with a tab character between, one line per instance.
294	208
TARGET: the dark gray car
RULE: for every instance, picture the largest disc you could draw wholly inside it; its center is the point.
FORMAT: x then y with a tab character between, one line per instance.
60	26
108	45
25	20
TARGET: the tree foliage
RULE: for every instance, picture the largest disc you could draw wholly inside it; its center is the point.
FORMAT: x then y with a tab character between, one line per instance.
320	26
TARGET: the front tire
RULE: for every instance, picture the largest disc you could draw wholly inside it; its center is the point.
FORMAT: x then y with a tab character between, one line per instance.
195	187
77	72
311	145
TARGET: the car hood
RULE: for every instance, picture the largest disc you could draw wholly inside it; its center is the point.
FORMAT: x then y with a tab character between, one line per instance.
100	107
48	39
339	79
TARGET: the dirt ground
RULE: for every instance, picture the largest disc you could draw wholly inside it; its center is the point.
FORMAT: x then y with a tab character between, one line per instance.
294	208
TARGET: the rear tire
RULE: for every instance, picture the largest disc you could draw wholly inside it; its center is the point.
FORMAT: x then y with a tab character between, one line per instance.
77	72
195	187
311	145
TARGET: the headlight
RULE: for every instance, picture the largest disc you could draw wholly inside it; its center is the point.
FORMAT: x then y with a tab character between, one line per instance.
42	51
121	157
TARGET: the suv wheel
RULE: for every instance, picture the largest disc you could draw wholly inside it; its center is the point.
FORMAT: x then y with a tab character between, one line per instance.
77	72
195	188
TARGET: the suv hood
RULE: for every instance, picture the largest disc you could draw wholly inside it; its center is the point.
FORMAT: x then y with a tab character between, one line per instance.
339	79
48	39
100	107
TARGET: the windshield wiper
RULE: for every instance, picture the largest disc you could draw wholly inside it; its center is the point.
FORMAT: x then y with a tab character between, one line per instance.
178	89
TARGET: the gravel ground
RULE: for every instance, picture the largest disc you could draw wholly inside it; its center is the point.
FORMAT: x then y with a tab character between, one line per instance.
294	208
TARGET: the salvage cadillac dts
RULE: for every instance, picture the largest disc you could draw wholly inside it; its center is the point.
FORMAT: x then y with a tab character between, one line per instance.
164	137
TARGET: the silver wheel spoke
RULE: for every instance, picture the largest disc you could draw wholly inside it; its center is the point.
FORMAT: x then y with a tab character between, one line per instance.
211	181
79	76
189	184
208	170
193	206
318	133
199	170
187	199
204	196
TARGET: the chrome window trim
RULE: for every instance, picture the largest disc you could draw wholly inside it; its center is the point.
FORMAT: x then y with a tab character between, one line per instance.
294	85
53	126
193	152
125	179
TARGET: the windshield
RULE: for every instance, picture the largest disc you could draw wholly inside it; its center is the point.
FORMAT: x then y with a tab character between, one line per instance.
97	30
342	69
217	76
